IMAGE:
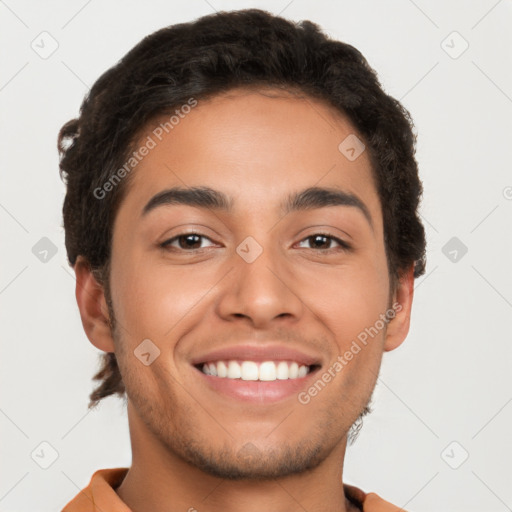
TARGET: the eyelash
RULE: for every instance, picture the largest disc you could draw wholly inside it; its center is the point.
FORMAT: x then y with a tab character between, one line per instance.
344	246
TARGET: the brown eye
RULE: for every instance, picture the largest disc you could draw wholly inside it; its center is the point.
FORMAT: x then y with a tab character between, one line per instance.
320	242
185	241
324	242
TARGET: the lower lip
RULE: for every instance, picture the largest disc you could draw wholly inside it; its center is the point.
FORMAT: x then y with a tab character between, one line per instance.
257	391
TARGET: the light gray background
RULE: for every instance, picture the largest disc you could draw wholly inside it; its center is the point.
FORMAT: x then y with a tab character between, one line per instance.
451	379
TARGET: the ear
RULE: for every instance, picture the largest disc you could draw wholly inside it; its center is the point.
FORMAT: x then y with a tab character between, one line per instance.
398	327
93	308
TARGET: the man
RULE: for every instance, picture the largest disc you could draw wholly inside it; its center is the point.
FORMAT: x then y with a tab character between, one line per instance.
241	215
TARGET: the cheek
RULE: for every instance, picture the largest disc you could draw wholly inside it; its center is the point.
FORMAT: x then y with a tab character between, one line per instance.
350	306
348	300
152	298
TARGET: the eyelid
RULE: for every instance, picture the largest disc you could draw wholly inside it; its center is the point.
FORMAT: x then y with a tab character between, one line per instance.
189	228
167	243
344	245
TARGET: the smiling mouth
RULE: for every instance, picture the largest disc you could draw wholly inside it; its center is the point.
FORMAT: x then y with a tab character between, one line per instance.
264	371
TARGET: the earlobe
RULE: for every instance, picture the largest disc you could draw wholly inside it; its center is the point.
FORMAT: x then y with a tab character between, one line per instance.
398	327
93	308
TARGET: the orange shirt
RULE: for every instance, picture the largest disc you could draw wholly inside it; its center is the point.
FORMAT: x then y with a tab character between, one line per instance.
100	496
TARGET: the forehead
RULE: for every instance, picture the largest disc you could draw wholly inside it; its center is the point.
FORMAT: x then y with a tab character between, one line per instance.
254	145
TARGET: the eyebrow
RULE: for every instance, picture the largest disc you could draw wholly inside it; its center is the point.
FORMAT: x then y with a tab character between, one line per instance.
307	199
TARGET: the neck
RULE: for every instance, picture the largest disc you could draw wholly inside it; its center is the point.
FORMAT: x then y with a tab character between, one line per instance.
158	480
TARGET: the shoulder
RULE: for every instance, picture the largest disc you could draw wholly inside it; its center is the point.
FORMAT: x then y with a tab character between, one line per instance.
99	493
369	502
374	503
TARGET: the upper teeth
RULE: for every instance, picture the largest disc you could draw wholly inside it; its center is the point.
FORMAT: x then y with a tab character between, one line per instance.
251	370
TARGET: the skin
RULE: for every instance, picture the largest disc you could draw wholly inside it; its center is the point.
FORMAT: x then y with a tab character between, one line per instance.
187	440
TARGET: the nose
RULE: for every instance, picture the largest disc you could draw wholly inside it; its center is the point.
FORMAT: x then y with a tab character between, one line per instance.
260	292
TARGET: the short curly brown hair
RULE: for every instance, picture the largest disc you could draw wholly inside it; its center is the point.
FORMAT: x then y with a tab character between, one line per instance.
206	57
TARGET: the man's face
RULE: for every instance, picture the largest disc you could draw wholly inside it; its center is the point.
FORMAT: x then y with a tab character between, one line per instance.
213	292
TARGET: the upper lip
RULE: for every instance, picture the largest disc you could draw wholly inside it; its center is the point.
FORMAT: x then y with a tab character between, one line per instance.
258	353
